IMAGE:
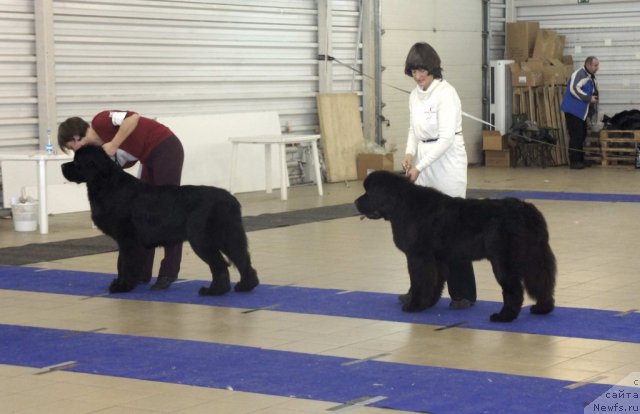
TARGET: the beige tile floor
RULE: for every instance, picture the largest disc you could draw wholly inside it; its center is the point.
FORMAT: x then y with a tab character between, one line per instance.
595	244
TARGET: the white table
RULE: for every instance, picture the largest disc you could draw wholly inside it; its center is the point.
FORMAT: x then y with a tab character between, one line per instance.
281	141
41	159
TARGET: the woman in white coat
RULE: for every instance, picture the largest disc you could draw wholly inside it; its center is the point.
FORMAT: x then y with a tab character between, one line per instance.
435	155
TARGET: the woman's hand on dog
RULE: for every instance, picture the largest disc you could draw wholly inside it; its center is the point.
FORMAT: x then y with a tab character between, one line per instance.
409	170
407	163
413	174
110	148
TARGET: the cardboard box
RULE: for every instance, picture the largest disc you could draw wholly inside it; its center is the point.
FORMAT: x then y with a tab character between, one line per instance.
558	50
501	159
552	70
521	38
549	45
493	140
366	163
567	62
555	73
524	76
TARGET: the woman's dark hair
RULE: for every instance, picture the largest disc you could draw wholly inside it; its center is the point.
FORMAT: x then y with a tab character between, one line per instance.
69	129
423	56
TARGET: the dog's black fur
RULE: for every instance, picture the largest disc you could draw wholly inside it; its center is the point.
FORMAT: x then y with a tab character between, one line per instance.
432	228
137	214
625	120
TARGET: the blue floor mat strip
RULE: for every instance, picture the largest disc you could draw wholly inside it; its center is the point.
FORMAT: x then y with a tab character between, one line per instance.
569	322
289	374
562	196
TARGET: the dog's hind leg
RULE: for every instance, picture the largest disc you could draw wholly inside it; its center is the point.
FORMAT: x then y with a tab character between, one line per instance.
424	276
220	281
237	250
248	276
536	262
512	292
539	277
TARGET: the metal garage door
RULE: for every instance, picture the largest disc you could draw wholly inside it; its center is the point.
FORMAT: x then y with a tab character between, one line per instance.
608	29
162	57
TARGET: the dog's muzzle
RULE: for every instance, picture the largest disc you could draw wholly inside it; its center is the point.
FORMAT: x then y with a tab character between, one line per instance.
374	215
366	213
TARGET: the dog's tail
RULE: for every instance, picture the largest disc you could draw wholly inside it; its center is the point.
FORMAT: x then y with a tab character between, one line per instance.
539	275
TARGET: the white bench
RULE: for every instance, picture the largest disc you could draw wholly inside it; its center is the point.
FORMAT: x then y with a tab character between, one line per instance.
205	139
209	139
281	141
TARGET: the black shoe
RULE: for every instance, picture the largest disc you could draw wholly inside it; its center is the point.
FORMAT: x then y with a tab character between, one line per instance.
163	282
461	303
576	166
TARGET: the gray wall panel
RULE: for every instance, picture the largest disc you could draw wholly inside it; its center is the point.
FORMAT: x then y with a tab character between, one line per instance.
165	58
608	29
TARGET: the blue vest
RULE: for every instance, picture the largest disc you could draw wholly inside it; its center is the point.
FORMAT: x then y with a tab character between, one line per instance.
577	95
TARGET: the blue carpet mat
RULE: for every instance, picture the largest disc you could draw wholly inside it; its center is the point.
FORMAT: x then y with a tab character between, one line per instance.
562	196
404	387
569	322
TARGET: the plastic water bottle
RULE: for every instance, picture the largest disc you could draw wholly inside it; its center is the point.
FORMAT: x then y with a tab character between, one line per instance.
49	147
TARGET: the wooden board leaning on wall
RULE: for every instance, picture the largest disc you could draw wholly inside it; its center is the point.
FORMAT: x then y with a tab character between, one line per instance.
541	104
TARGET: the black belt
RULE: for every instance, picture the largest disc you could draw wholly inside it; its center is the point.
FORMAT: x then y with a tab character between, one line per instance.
435	139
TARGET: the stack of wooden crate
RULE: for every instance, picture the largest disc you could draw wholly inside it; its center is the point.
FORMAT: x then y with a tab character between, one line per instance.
538	74
592	151
619	147
541	104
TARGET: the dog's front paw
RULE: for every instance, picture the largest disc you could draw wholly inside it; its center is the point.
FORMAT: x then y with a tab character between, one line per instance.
416	302
542	308
121	286
163	282
413	307
214	290
503	316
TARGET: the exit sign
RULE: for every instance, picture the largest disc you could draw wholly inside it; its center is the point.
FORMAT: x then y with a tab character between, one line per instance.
583	1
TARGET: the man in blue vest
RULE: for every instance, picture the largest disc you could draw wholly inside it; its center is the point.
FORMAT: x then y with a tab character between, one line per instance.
580	96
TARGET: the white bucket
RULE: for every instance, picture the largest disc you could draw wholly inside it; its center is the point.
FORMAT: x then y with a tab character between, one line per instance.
25	215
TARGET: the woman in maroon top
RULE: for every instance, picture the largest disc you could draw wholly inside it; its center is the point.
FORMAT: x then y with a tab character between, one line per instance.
129	137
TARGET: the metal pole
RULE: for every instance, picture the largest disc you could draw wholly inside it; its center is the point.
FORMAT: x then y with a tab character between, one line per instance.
486	81
378	83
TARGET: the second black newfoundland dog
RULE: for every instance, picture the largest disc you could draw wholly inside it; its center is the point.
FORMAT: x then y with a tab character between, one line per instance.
136	214
432	228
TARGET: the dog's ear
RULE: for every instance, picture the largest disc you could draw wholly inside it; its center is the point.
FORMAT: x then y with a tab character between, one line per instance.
383	191
93	163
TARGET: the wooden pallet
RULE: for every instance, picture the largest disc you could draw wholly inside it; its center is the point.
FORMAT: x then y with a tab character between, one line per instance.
541	104
619	147
593	152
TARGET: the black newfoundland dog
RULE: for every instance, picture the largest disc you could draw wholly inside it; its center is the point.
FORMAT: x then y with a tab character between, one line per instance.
137	214
432	228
